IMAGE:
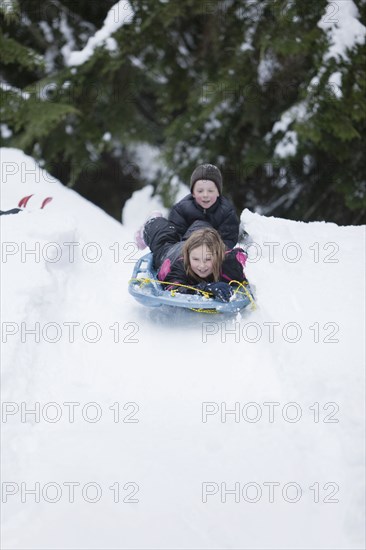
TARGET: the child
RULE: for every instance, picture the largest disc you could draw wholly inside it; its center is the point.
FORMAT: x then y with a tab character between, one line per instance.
206	203
201	261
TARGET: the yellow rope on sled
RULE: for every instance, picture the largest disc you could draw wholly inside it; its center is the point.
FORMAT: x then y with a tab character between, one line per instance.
146	280
173	292
209	311
246	292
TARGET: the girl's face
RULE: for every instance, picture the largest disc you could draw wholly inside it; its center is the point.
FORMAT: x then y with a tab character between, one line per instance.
201	261
205	193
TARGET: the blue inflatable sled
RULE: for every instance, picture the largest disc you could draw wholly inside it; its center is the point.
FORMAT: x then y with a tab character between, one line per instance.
146	289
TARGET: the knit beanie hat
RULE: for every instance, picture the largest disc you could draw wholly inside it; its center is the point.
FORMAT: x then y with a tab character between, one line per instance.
207	172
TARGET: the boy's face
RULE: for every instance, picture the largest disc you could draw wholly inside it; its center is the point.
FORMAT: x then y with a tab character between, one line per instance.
205	193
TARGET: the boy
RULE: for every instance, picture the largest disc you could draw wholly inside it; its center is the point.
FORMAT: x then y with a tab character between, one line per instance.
206	203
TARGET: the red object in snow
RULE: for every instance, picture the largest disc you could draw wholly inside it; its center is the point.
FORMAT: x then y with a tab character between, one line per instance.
24	201
46	201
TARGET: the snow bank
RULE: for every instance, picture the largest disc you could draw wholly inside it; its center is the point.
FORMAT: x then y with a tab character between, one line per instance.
159	430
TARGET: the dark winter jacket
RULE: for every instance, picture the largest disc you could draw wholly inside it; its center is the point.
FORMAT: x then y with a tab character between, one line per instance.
172	269
221	216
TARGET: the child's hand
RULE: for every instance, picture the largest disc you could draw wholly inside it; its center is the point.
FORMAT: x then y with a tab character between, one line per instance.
221	291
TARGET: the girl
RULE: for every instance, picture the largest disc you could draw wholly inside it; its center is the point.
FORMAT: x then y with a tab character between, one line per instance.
200	262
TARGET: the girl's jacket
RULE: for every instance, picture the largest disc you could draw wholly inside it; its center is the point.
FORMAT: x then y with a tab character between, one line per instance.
172	269
221	216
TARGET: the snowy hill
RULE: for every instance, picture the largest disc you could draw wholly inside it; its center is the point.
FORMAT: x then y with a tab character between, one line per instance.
127	427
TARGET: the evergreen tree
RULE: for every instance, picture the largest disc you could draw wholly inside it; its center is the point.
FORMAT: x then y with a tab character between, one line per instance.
67	117
257	87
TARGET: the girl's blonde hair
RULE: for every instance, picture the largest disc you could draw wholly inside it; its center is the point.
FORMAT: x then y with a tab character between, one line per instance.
214	243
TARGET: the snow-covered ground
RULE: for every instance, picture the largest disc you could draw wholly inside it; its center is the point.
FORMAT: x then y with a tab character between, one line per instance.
127	427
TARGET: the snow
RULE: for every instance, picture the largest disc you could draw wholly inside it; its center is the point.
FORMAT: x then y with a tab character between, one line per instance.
341	23
119	14
335	84
9	8
148	160
267	67
5	87
138	400
296	112
287	146
67	32
137	209
5	131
